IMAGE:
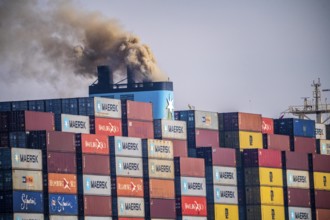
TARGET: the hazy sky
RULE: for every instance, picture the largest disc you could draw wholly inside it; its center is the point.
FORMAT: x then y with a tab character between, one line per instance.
250	56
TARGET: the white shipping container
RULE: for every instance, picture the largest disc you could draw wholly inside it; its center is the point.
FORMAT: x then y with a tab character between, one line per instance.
97	185
224	175
27	159
75	123
161	149
128	146
192	186
129	166
297	213
161	169
107	108
297	179
173	129
320	131
63	217
206	120
27	180
225	194
28	216
130	207
325	147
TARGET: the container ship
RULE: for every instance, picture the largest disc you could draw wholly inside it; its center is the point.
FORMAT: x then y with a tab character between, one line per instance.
125	153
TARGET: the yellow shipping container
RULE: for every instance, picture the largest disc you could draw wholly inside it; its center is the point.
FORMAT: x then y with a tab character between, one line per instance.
226	212
264	195
263	176
250	140
321	181
265	212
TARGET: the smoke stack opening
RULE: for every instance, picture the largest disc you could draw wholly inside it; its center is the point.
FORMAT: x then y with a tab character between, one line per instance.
105	76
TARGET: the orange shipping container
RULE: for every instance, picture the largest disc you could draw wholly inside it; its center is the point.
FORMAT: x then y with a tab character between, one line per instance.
106	126
128	186
161	189
94	144
62	183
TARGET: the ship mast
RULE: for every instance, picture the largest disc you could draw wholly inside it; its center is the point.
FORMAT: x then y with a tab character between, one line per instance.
309	108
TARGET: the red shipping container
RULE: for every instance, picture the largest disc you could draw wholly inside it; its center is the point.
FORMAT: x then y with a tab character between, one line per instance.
322	199
32	121
140	129
128	186
295	160
106	126
276	142
180	148
95	164
303	144
161	188
267	126
321	163
297	197
130	218
218	156
322	214
61	141
97	205
137	110
262	158
161	208
191	167
95	144
207	138
191	205
60	162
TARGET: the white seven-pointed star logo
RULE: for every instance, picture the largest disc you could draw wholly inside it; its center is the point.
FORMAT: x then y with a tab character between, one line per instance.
170	105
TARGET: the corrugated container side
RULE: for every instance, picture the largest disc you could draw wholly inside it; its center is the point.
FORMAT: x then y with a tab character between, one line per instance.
221	175
296	213
95	205
188	218
27	216
30	120
262	157
295	127
191	205
203	137
295	160
162	169
322	199
105	107
141	129
130	207
106	126
125	146
59	162
63	204
23	180
321	181
225	211
75	123
323	147
217	156
92	144
5	106
94	164
262	176
303	144
62	217
160	208
96	185
168	129
276	142
180	148
96	218
242	121
4	121
26	159
264	195
322	214
190	186
62	183
186	166
53	105
265	212
321	163
267	125
137	110
198	119
320	131
159	189
153	148
37	105
127	186
127	166
70	106
297	197
21	201
297	179
223	195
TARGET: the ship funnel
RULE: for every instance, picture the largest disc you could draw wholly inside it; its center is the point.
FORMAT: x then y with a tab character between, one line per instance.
105	76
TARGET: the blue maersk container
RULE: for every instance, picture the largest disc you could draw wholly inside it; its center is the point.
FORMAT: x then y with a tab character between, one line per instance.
21	201
63	204
295	127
